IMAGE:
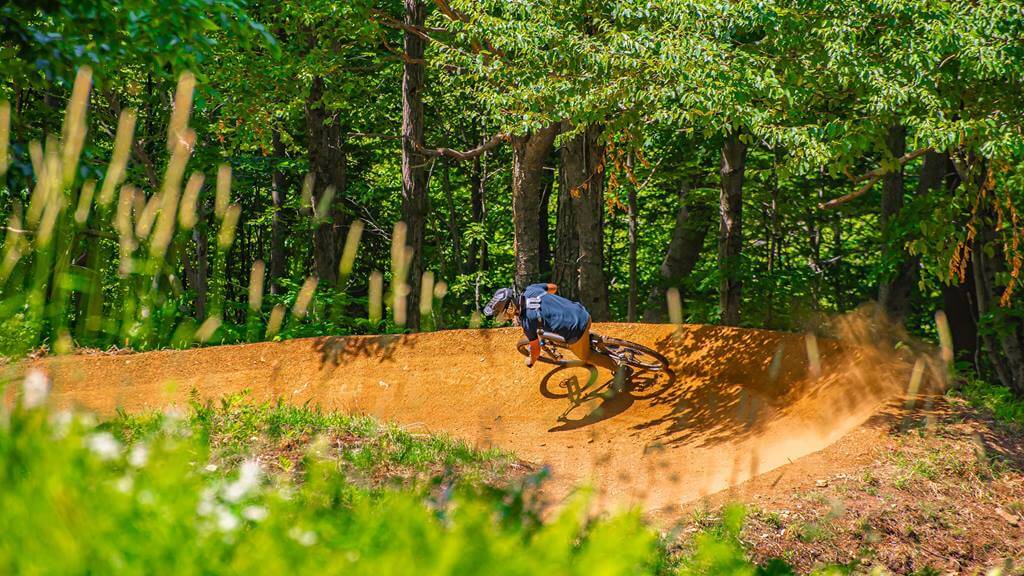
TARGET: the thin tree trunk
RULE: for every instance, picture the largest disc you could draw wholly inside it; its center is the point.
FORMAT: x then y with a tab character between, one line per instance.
730	233
894	289
567	247
453	225
582	162
772	225
477	249
814	241
631	306
414	176
529	153
201	281
836	263
278	226
546	190
693	222
327	163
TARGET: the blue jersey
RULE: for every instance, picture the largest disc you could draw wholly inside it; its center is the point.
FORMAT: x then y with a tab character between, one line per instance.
552	313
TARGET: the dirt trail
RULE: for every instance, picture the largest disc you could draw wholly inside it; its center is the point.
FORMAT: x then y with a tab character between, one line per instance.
740	402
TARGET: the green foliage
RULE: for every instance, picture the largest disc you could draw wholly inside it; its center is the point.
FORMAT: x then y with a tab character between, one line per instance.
17	334
136	495
719	550
811	87
998	400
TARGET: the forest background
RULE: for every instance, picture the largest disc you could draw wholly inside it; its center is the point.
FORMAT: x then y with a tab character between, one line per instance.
772	163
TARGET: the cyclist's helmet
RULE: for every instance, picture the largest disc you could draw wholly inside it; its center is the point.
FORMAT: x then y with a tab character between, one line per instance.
501	299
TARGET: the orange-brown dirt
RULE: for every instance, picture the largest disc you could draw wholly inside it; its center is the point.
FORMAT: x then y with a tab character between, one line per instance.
737	403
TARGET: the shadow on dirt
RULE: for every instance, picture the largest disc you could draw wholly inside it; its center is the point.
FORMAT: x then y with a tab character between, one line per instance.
591	402
733	376
337	350
737	381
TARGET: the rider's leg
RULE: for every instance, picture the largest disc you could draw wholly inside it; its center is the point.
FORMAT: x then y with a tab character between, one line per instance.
581	348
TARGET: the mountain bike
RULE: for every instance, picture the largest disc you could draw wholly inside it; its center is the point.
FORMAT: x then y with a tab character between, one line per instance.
623	352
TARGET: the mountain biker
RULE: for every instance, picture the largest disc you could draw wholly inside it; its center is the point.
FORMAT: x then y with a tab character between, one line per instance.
539	307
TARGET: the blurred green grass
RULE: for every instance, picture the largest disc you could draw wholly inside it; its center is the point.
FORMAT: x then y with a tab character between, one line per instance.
195	493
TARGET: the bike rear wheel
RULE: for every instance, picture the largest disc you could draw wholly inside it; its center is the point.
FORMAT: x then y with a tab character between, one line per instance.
633	354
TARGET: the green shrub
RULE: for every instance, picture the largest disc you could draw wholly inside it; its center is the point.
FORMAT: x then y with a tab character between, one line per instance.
17	333
999	400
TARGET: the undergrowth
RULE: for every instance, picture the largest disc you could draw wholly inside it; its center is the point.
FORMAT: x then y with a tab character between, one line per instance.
199	493
999	400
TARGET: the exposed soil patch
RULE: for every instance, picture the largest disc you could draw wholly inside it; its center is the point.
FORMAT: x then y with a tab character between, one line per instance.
941	488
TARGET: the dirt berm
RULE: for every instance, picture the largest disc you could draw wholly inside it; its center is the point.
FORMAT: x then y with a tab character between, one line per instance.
737	403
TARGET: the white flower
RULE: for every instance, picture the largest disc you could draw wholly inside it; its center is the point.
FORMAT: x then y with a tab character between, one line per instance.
248	480
173	422
304	537
206	504
226	521
211	468
254	513
61	422
35	388
124	484
138	456
104	445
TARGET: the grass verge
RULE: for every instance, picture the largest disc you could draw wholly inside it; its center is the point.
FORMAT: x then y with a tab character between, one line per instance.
234	487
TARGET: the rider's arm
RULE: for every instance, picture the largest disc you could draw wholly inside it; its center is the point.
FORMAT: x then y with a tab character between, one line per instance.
530	329
534	351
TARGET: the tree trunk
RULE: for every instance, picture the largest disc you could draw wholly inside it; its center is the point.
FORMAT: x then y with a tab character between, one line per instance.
958	299
693	222
278	226
961	307
567	246
414	176
1004	336
836	263
327	165
529	153
201	280
477	249
774	240
814	241
1004	340
730	232
895	287
631	305
546	189
582	163
454	236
